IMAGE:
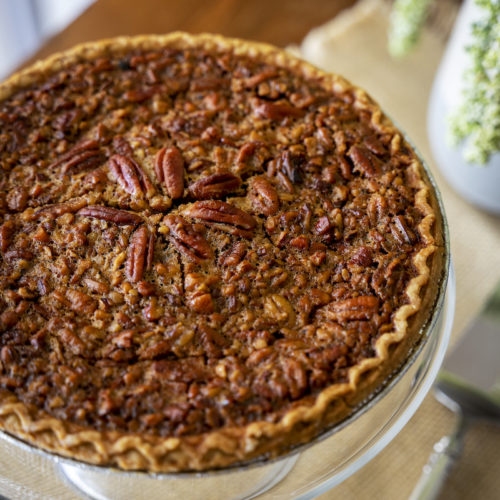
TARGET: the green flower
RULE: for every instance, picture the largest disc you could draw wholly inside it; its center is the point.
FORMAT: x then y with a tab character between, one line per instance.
407	18
477	120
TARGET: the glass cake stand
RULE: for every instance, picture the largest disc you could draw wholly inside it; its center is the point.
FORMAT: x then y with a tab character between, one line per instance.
306	472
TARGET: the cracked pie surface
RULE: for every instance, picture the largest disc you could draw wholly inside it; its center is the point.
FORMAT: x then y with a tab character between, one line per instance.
211	252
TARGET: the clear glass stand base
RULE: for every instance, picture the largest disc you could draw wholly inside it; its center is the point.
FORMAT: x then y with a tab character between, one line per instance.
96	485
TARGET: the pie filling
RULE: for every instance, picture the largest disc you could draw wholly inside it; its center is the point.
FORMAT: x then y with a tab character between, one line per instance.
196	239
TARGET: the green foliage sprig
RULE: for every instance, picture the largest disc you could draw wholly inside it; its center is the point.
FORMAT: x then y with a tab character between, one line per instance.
406	21
477	120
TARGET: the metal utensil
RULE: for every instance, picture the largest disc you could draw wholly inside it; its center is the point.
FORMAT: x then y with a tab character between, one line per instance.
469	385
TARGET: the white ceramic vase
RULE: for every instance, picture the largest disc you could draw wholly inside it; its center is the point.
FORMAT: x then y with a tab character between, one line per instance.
479	184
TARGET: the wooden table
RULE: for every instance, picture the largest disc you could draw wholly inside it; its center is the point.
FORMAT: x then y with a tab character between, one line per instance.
279	22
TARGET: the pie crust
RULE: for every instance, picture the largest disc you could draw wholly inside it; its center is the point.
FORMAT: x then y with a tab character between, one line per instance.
311	414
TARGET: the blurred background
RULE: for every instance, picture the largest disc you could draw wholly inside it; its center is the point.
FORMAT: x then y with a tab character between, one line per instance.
30	29
25	24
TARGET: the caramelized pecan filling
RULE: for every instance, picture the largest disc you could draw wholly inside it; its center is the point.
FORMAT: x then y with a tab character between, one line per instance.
193	240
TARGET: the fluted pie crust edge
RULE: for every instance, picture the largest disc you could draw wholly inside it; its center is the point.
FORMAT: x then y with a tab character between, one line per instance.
229	446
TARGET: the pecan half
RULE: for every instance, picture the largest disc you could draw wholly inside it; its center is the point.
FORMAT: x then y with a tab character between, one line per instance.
363	256
356	308
18	253
231	218
122	146
209	83
190	243
169	169
69	339
17	198
254	80
275	111
101	133
295	377
130	176
323	226
263	196
58	209
109	214
290	165
80	302
233	255
202	303
388	278
212	340
86	160
139	95
96	286
140	254
278	309
215	185
401	231
374	145
7	230
377	209
85	155
364	161
246	151
198	297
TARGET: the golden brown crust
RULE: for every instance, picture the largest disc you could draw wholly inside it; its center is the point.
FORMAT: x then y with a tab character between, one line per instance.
231	445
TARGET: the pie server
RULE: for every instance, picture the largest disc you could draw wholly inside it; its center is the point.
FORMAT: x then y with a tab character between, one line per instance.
469	385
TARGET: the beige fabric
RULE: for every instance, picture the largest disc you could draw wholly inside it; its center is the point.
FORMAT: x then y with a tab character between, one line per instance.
354	46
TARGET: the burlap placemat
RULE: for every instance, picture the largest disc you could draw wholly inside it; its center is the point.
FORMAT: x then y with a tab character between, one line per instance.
354	44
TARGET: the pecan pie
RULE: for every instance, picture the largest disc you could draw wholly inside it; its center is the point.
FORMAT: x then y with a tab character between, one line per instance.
211	252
